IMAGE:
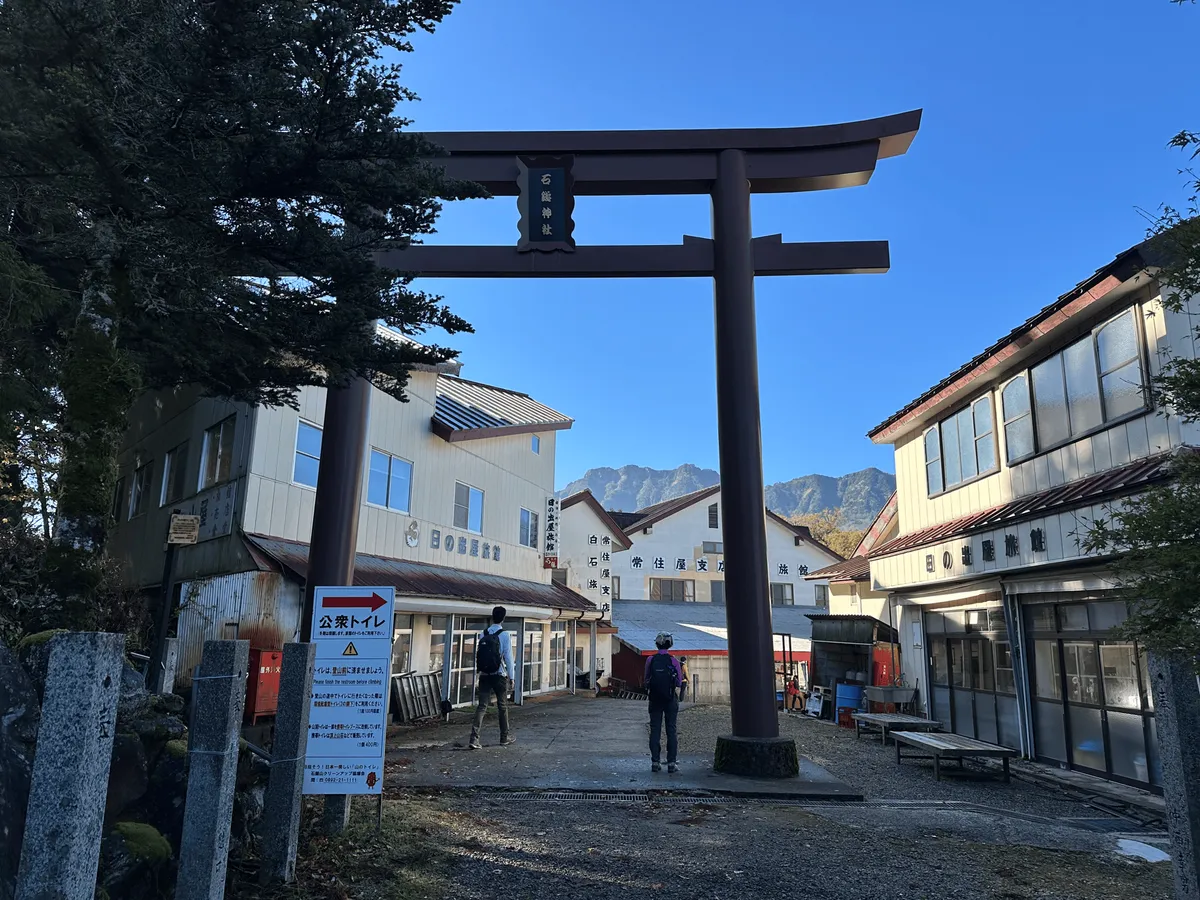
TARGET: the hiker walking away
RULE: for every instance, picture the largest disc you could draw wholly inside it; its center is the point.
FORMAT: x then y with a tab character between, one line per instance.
494	665
793	693
687	679
663	677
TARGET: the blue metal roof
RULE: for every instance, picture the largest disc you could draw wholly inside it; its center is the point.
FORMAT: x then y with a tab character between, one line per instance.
697	626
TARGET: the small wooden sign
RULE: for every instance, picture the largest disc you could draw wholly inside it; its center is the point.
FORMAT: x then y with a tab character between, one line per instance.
184	530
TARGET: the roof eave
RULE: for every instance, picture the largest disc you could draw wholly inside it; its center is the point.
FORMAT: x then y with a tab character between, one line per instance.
455	435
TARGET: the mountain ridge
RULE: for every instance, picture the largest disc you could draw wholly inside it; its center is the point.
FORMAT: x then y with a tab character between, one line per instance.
857	495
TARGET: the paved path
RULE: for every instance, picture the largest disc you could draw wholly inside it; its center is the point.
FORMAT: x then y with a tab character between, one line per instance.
580	744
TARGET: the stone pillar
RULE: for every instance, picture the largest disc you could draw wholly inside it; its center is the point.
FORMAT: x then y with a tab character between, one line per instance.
218	699
163	680
65	818
1177	711
281	819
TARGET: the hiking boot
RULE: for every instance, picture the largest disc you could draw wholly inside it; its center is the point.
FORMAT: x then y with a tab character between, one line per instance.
508	740
474	745
655	767
672	768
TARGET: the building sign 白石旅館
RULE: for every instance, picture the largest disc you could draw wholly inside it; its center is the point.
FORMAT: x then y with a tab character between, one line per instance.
546	202
347	720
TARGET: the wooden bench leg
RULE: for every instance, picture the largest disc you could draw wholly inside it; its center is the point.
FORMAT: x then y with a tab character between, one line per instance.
1006	779
857	729
883	735
897	743
937	768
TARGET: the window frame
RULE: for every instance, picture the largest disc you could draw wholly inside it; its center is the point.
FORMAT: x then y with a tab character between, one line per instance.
171	471
471	491
206	449
821	595
119	500
387	496
140	486
789	600
301	423
535	444
980	474
530	529
714	515
1106	423
1027	375
689	589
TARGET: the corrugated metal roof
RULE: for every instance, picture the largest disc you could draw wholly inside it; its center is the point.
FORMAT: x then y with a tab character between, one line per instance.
696	626
1112	483
426	580
857	568
468	405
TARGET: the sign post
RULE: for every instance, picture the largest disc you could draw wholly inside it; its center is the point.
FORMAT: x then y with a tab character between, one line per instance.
182	531
347	722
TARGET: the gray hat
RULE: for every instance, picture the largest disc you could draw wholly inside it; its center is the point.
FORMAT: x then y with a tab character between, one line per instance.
664	640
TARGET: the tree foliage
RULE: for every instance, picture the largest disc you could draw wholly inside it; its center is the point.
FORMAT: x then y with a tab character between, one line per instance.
191	192
825	526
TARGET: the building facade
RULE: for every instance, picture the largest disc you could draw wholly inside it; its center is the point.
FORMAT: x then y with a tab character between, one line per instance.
457	485
1006	617
677	554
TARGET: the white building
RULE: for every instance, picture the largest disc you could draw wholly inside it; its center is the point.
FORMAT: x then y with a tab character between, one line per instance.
677	554
1006	616
455	487
667	571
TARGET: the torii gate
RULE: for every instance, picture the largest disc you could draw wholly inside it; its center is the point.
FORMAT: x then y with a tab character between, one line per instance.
547	169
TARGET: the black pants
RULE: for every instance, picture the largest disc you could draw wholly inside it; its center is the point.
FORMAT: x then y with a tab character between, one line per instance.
658	710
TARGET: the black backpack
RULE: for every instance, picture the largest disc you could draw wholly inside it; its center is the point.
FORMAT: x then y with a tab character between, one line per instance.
487	653
661	683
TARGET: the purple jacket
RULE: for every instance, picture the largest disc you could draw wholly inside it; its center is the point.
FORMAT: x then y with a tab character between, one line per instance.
674	665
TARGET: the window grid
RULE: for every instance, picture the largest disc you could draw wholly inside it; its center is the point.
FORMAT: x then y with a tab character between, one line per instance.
307	462
174	472
389	481
529	529
217	461
672	590
783	593
468	508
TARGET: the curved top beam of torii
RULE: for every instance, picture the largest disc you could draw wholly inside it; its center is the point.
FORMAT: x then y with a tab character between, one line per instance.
684	161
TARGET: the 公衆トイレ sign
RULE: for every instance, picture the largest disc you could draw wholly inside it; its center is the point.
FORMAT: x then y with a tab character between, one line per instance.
347	720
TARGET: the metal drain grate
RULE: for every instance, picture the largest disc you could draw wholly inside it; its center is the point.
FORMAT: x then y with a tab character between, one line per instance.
1109	826
623	797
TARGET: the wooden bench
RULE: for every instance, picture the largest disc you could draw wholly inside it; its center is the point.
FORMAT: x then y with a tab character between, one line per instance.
949	746
885	722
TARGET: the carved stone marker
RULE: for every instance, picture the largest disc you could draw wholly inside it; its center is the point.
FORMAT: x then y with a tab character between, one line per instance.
1177	714
218	697
65	818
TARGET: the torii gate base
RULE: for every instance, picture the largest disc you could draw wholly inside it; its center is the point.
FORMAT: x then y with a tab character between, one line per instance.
729	164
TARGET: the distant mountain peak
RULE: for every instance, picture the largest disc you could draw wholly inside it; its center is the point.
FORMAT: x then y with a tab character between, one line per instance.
858	495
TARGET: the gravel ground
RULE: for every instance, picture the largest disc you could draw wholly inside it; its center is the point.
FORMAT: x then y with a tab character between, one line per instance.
608	851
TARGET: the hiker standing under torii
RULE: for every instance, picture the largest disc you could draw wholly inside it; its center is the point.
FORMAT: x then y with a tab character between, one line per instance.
663	678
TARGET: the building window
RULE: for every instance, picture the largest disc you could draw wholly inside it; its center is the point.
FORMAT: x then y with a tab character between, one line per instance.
468	507
673	590
217	461
961	447
1096	380
782	593
174	472
1018	419
139	493
118	502
529	529
714	547
558	576
308	454
616	587
718	591
535	444
389	481
821	594
713	520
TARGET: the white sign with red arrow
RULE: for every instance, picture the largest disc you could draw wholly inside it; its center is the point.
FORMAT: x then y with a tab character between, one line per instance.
347	723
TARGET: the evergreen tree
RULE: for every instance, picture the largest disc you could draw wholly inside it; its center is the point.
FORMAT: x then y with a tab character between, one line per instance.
192	191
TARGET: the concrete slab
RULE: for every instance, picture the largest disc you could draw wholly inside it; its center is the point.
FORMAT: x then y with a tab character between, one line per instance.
578	744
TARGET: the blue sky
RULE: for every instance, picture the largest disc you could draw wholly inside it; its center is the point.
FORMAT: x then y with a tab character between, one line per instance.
1044	131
